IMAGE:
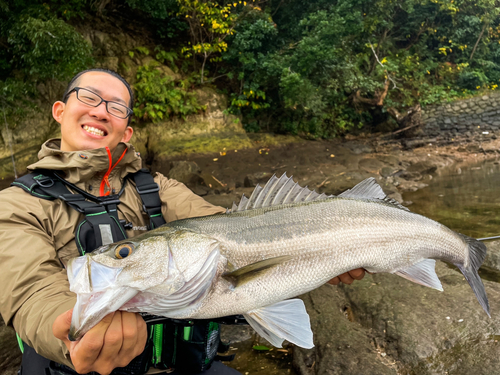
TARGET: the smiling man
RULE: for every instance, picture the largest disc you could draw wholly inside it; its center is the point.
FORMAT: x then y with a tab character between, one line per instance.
105	200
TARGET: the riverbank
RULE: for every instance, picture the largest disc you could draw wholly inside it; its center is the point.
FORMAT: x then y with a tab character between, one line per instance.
399	165
354	332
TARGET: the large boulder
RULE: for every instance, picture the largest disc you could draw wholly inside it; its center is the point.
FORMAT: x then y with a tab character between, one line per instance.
492	261
10	354
186	172
404	326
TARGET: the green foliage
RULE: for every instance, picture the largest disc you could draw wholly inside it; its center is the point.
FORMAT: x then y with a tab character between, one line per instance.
159	97
210	23
161	9
323	67
161	16
48	49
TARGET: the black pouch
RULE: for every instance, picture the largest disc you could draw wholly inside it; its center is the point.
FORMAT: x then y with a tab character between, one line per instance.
191	348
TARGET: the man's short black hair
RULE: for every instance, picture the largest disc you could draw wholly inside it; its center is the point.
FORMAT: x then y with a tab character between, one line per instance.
74	83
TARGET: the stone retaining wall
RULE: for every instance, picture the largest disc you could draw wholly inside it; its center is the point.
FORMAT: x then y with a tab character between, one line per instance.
475	114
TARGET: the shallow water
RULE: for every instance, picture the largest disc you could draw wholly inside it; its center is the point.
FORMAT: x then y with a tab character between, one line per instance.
465	198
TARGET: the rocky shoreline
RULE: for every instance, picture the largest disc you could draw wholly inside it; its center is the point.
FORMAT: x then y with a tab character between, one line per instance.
382	324
399	165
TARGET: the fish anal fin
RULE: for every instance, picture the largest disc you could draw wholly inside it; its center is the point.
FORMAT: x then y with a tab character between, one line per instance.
285	320
422	273
251	270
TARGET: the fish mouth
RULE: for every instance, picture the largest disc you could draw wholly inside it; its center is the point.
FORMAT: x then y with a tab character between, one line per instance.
98	294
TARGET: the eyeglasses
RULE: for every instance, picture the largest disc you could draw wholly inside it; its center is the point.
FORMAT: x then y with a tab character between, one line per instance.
91	98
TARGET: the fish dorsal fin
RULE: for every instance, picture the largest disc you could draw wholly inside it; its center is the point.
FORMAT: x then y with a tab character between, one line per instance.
370	189
249	271
365	189
285	320
278	191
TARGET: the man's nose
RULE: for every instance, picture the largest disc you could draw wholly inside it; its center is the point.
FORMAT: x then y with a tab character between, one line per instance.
100	112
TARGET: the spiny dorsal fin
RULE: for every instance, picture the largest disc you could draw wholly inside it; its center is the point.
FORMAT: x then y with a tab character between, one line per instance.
278	191
370	189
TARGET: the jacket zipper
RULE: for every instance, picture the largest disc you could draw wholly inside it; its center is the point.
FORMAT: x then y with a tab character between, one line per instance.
105	179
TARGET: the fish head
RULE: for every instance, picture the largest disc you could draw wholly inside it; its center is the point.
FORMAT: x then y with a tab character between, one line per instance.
112	275
159	263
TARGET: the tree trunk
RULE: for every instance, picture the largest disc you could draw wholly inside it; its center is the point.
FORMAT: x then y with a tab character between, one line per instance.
9	137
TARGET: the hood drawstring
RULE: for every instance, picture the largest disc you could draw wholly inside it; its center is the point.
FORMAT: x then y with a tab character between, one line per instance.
105	180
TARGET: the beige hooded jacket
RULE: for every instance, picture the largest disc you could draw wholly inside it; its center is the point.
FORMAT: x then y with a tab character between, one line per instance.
37	236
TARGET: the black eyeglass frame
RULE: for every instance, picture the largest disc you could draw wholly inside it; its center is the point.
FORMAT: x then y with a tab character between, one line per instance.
77	89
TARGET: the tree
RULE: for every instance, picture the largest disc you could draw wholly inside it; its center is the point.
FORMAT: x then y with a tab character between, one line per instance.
209	25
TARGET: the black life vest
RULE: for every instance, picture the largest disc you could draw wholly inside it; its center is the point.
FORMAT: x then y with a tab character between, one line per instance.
187	346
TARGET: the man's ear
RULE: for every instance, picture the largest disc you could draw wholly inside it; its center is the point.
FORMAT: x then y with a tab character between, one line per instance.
58	111
128	134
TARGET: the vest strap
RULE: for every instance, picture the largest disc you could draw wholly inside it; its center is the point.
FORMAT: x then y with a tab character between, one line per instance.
148	191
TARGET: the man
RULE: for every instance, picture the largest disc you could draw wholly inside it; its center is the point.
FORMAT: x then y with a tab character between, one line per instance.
38	236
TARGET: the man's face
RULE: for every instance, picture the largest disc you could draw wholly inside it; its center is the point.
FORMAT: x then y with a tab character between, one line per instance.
84	127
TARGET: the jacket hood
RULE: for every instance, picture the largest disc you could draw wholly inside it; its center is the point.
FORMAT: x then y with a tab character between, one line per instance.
81	167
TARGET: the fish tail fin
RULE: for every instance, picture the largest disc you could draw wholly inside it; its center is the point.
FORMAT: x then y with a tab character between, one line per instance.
477	253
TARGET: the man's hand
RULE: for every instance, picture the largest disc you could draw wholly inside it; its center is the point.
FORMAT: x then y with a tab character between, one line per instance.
348	277
113	342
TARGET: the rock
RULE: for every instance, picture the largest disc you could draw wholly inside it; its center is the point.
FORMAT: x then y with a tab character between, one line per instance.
414	143
492	260
473	147
370	165
388	171
396	195
235	333
200	190
252	180
405	185
10	354
411	176
392	160
424	167
186	172
359	148
110	63
406	322
342	346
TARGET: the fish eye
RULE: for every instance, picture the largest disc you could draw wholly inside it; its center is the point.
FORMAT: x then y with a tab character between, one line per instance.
124	250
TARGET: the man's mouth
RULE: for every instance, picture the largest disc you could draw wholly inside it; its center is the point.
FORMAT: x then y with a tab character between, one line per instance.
94	131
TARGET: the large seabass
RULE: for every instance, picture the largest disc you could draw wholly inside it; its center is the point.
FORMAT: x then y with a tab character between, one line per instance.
284	241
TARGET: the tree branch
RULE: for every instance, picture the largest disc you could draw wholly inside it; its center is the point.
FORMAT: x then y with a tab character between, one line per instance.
477	42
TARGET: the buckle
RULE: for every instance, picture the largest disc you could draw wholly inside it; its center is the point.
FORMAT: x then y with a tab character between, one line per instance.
45	181
148	189
110	199
72	197
151	210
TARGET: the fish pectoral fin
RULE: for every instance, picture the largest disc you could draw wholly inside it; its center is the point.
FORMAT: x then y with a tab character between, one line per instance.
249	271
422	273
285	320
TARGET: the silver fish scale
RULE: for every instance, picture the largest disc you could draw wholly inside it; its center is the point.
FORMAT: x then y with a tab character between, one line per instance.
325	238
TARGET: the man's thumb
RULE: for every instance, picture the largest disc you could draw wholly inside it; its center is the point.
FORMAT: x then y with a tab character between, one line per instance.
60	327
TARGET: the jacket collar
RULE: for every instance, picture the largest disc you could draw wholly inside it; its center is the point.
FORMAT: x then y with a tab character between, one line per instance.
84	166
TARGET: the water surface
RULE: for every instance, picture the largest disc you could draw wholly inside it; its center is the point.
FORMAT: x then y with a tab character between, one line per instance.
465	198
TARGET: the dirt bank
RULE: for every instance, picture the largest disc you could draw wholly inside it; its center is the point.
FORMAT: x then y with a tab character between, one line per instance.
332	166
326	166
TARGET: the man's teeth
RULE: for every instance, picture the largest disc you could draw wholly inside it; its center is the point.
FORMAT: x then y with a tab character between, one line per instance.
92	130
